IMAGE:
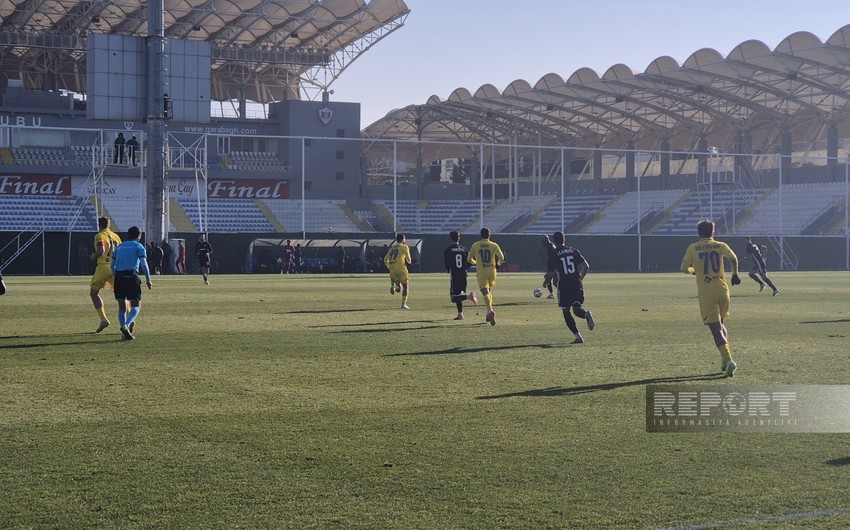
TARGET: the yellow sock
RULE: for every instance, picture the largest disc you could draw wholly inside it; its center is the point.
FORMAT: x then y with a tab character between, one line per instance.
725	354
404	299
489	299
102	312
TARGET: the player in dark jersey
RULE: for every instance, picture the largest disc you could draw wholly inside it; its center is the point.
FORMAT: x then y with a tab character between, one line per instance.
203	250
549	276
570	268
455	260
756	254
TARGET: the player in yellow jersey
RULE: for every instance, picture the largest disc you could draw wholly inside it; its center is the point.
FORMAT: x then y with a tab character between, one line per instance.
487	257
397	259
105	242
704	259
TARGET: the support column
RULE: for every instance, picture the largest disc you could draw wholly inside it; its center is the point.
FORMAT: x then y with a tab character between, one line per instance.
597	169
743	157
630	165
702	158
785	151
832	152
156	228
665	163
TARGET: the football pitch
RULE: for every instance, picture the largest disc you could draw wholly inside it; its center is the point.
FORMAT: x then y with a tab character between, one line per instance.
315	402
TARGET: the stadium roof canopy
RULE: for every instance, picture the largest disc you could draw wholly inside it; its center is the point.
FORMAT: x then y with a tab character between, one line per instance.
802	86
263	49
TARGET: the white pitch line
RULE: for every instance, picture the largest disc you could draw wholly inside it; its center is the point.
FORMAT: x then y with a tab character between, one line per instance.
756	520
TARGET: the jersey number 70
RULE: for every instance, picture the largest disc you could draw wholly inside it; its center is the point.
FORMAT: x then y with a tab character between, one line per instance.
712	258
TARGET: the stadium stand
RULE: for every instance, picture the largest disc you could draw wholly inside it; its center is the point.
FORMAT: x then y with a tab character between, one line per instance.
621	215
802	204
726	205
47	213
578	212
507	213
435	216
232	215
320	215
124	212
253	161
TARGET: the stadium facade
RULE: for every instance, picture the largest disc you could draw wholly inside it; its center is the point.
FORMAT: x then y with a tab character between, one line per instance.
757	140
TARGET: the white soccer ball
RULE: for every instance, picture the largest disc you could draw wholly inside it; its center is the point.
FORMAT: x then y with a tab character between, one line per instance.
538	292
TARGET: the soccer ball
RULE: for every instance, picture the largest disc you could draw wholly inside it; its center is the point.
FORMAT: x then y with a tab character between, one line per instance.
538	292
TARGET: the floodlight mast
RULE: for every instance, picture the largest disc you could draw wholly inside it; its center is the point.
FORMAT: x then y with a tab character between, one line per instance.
155	224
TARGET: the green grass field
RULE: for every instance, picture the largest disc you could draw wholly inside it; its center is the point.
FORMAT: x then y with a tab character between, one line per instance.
314	402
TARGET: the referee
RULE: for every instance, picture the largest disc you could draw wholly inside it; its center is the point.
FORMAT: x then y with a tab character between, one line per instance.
127	259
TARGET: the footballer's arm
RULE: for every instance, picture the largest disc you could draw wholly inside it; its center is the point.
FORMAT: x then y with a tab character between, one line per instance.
583	269
687	264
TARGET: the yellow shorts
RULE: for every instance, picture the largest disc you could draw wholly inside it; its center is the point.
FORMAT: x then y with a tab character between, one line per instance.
486	278
714	307
102	277
399	275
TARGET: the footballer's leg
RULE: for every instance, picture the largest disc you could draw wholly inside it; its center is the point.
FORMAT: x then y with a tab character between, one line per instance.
404	290
769	283
756	279
101	310
721	340
98	282
571	325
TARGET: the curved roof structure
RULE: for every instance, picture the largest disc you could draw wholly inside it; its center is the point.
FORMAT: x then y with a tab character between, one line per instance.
802	87
263	49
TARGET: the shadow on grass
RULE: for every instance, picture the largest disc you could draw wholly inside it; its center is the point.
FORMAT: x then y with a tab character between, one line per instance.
41	336
322	311
357	325
390	330
562	391
840	320
48	344
458	351
839	461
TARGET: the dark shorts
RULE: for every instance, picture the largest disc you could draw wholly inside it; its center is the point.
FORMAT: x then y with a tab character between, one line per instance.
570	296
128	286
204	261
458	284
759	268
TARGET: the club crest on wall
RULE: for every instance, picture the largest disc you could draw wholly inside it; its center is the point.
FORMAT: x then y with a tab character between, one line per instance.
325	115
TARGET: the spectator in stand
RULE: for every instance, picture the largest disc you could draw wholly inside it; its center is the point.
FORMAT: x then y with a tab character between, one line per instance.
132	147
118	156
